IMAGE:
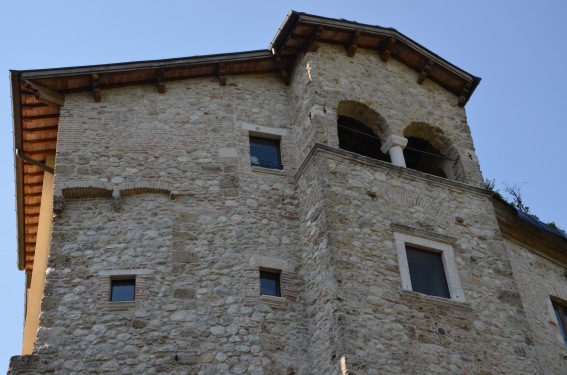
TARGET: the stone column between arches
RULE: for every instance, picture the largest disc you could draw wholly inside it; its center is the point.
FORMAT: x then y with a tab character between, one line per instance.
394	145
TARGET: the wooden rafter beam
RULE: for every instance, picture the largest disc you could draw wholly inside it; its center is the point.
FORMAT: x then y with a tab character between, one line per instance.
44	95
42	140
34	182
41	128
281	68
353	45
464	95
222	74
160	81
299	38
95	88
283	72
35	174
386	47
425	71
312	44
34	105
33	195
46	152
40	117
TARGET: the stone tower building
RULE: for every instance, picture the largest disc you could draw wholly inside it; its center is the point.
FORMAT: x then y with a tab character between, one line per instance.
315	208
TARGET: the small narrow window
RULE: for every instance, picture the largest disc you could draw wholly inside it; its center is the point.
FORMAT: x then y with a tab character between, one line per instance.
427	273
561	314
122	290
265	153
270	284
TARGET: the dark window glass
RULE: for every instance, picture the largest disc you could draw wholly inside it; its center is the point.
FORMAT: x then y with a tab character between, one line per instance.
427	273
122	290
265	153
421	156
356	137
270	283
561	314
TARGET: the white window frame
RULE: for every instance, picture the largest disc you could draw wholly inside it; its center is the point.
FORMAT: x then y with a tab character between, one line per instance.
447	255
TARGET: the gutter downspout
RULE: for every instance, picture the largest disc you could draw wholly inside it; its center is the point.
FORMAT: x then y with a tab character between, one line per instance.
21	155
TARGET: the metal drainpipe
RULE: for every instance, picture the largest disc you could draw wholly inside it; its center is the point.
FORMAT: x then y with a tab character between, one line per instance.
25	158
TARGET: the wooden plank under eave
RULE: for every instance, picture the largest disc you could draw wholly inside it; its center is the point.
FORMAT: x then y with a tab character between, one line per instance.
31	210
303	30
30	240
29	199
32	189
38	135
77	83
41	140
32	183
335	37
32	219
32	170
33	180
41	122
39	152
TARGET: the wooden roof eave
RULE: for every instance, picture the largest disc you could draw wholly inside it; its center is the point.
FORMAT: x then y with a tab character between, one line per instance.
140	65
18	164
19	78
49	78
294	19
539	241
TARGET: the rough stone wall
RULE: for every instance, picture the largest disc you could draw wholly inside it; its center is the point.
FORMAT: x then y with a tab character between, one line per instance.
324	79
319	279
385	330
161	187
539	280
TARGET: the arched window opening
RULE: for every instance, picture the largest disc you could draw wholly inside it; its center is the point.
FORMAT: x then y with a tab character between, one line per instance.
356	137
421	156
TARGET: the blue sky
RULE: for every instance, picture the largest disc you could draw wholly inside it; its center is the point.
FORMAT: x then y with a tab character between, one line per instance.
516	115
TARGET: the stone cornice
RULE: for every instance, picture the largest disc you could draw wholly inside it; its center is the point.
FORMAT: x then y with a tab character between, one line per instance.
339	154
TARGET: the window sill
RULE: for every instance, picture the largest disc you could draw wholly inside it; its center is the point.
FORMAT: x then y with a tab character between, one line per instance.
121	306
277	172
272	301
412	296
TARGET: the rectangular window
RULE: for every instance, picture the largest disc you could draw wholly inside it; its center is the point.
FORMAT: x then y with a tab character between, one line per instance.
427	273
122	290
265	153
428	266
270	283
561	314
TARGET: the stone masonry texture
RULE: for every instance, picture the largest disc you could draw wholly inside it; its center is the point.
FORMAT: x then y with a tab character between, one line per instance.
160	188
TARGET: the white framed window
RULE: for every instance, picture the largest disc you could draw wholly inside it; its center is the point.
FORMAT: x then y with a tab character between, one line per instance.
428	267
